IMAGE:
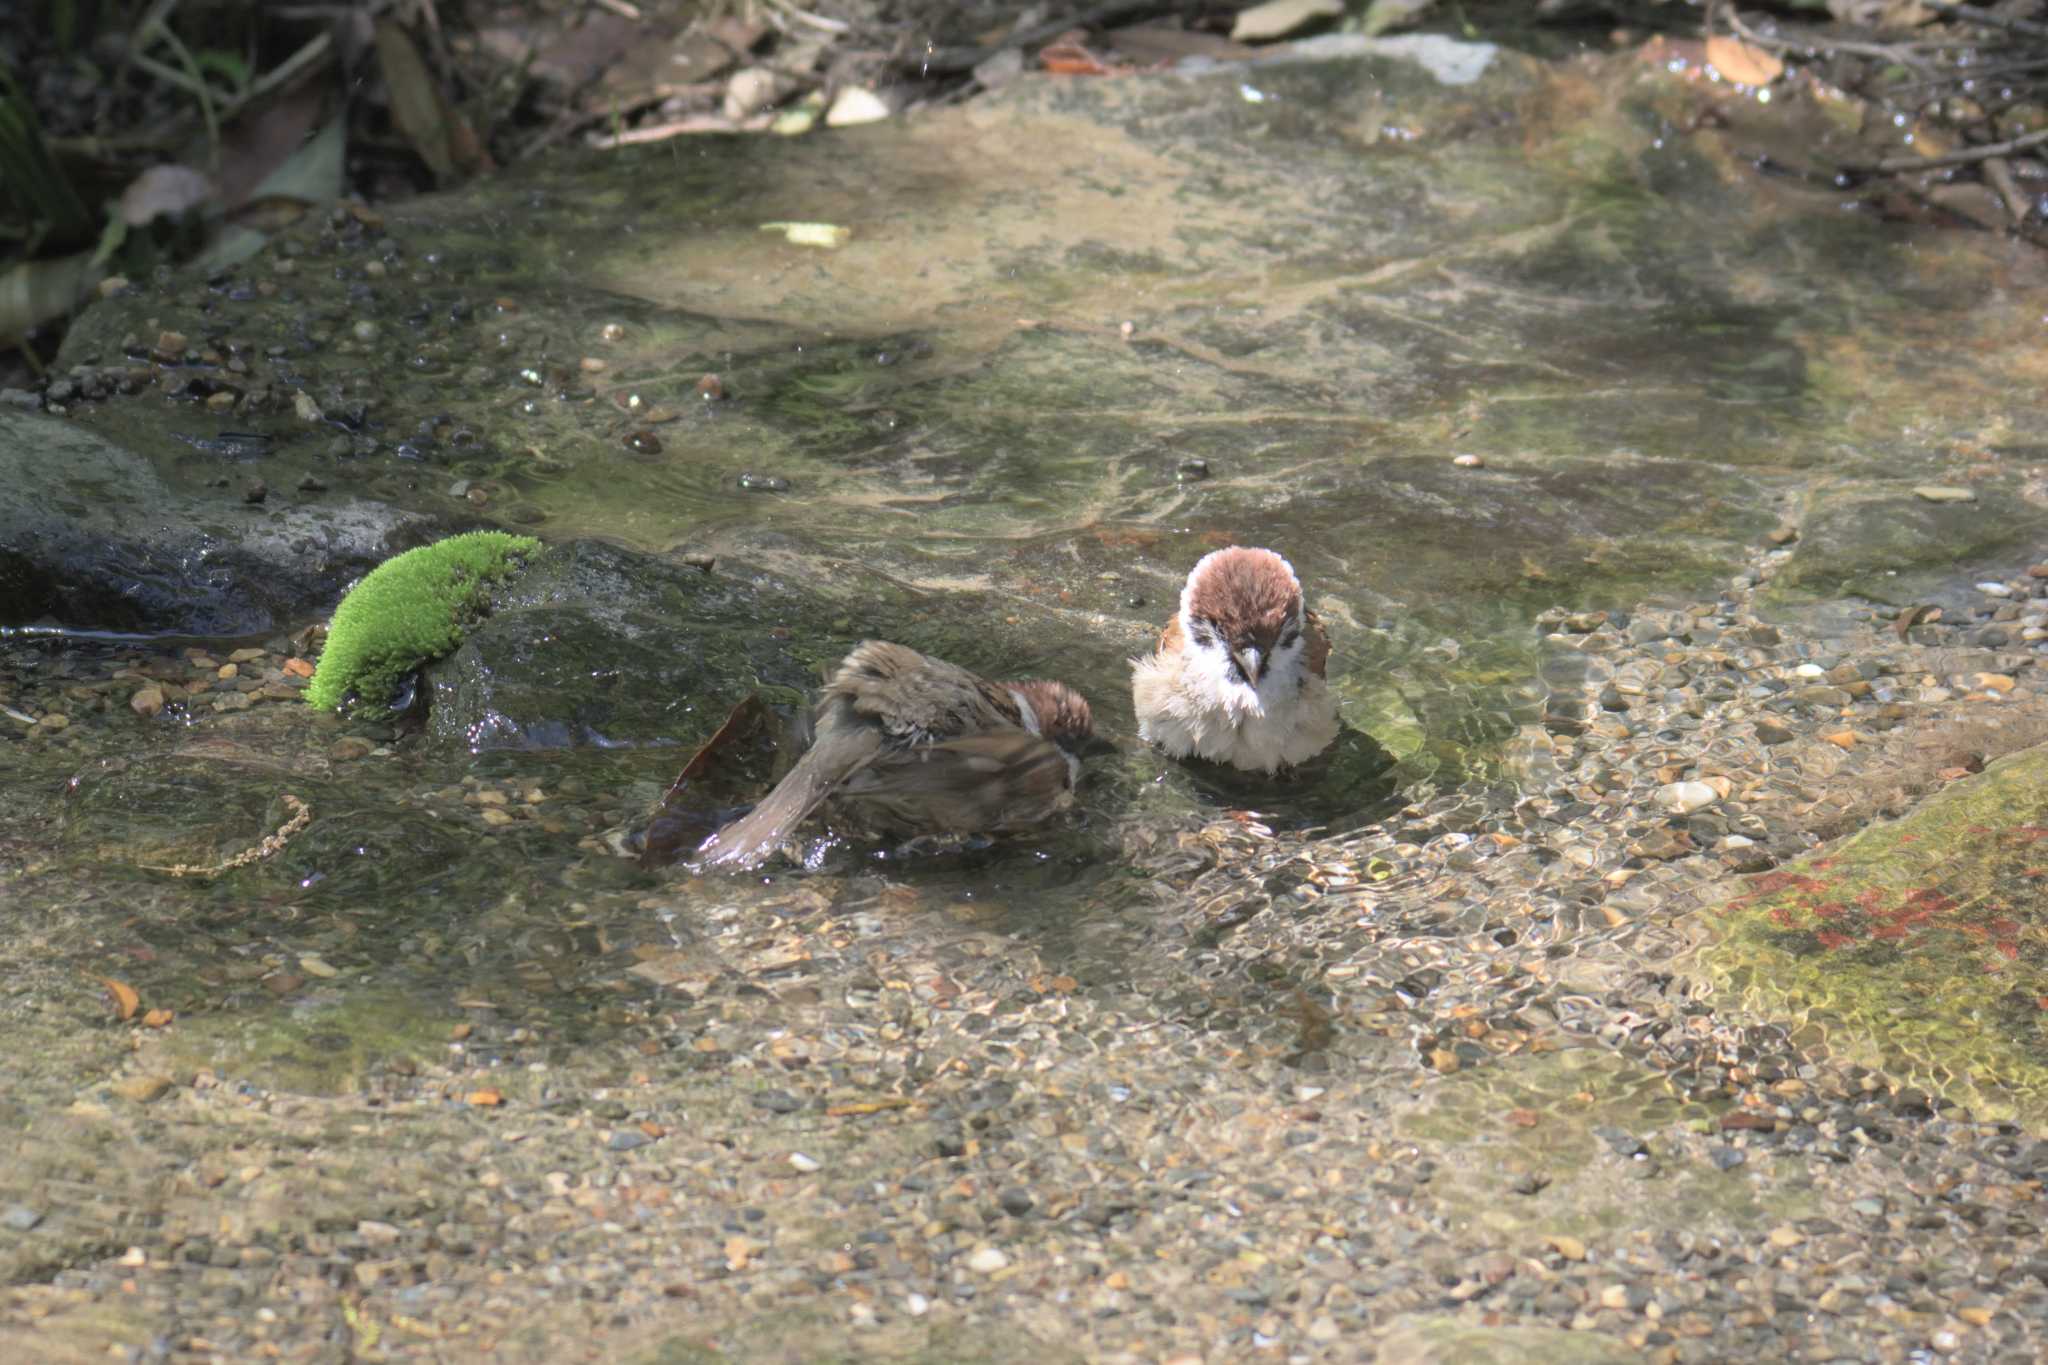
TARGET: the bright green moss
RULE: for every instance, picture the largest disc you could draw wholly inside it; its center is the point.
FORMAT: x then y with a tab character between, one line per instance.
407	610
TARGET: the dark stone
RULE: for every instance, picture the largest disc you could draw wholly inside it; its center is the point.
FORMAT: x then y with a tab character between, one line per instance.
91	537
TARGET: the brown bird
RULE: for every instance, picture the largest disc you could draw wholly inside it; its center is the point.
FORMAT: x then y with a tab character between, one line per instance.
906	743
1238	674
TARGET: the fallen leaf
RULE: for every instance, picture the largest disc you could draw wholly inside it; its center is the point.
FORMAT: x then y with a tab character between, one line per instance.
1742	63
827	235
122	997
484	1099
157	1018
164	191
1913	616
671	826
1278	18
856	1108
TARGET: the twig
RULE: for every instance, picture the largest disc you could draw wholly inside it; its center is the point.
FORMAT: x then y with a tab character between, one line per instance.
950	61
1971	14
302	815
1969	156
1883	52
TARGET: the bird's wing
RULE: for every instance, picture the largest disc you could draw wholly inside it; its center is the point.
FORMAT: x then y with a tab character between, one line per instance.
1315	642
1004	779
753	838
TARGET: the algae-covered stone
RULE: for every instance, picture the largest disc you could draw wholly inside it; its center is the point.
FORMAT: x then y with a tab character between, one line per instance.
410	609
1889	545
1915	946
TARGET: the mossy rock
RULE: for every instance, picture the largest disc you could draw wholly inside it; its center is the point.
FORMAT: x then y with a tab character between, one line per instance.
1916	946
409	609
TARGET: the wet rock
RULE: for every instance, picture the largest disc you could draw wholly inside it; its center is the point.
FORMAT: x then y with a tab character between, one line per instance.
1892	547
91	536
1682	798
594	645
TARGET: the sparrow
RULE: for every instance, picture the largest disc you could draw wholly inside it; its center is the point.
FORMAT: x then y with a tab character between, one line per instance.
904	742
1238	673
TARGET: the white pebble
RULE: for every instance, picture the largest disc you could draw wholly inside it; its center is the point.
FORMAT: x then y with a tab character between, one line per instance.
1811	671
917	1305
1469	461
1994	589
803	1163
987	1260
1686	797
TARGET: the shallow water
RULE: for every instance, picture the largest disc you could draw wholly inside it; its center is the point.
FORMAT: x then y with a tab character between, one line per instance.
1656	355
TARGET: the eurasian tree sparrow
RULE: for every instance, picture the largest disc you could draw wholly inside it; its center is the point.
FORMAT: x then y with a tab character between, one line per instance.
908	743
1238	674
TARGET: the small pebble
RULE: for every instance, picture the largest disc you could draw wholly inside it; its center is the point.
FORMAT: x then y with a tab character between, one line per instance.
987	1260
1936	492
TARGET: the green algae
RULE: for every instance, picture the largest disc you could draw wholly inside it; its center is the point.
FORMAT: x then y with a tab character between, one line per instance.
334	1047
1587	1190
1919	947
407	610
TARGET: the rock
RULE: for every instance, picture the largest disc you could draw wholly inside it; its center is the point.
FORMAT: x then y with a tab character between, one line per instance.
1683	798
1937	492
147	701
1663	844
138	555
142	1089
987	1260
1770	732
1892	547
855	105
20	1218
594	645
349	748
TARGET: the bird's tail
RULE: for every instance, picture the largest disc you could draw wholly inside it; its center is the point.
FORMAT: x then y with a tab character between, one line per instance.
753	838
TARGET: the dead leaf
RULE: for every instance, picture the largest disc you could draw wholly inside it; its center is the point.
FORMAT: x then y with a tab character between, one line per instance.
1278	18
1913	616
122	997
164	191
157	1018
672	824
1742	63
856	1108
484	1099
433	126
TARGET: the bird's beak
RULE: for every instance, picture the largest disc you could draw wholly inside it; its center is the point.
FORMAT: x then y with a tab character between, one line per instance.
1247	661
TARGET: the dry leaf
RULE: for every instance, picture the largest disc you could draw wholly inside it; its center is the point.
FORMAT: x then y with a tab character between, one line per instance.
1742	62
121	997
164	191
157	1018
1278	18
484	1099
859	1107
